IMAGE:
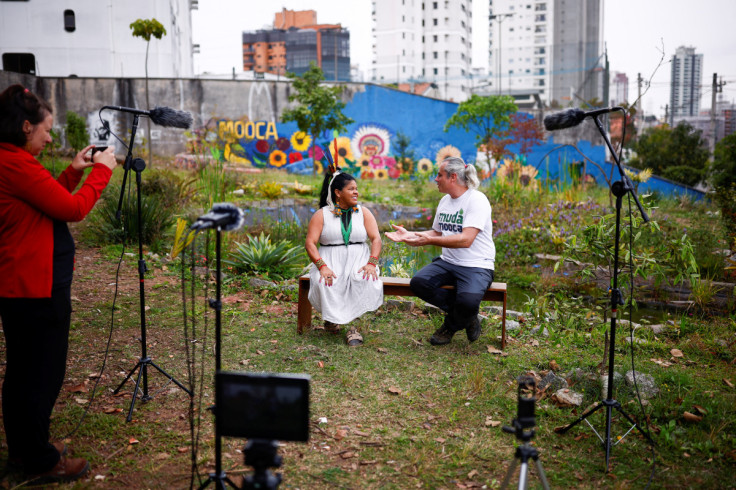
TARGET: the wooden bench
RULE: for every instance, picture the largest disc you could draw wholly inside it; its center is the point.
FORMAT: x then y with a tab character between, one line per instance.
396	286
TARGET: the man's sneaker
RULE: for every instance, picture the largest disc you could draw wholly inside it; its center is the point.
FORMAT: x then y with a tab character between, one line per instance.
442	335
67	469
473	329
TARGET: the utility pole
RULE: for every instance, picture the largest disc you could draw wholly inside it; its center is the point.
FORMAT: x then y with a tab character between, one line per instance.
500	18
638	101
717	88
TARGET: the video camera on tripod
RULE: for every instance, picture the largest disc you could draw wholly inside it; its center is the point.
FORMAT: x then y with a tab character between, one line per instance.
524	423
523	427
264	408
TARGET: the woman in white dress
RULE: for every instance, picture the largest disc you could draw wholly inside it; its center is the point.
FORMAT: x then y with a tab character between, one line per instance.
344	277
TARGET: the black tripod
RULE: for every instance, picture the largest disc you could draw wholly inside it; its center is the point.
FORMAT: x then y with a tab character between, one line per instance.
138	165
619	189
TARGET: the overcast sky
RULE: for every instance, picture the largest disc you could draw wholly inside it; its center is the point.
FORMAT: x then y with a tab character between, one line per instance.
635	33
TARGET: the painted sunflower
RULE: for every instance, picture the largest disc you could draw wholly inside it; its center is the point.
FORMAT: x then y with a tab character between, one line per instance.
509	170
300	141
381	174
344	151
425	166
364	161
447	151
527	177
277	158
406	166
318	168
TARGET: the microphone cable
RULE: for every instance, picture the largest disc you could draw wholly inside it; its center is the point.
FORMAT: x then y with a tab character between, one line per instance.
109	338
631	305
195	406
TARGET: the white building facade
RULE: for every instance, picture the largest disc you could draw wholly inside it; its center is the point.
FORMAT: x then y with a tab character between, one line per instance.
549	47
428	41
686	80
93	38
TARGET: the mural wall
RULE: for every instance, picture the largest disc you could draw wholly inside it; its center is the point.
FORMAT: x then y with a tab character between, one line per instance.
368	147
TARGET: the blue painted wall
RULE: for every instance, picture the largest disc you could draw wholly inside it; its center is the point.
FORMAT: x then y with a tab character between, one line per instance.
386	111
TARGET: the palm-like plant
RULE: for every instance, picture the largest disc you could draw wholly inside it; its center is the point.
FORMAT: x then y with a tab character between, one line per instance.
280	260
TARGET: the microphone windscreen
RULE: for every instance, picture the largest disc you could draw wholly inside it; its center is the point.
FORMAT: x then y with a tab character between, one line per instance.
564	119
236	214
170	118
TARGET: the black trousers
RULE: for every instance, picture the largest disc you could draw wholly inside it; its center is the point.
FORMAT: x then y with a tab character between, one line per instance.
36	339
462	303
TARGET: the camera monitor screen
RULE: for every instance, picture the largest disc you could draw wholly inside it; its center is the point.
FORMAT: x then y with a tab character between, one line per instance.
263	406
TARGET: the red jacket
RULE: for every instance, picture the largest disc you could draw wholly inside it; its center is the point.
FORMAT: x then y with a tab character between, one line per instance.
29	199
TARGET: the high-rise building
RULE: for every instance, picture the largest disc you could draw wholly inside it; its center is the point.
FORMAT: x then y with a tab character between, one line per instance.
89	38
620	89
685	83
549	47
424	41
294	43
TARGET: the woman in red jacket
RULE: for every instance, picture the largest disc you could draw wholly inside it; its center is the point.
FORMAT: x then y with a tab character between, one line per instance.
36	266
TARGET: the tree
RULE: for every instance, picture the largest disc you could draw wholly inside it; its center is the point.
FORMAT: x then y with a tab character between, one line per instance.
484	116
723	168
723	179
320	107
146	28
616	119
677	154
76	131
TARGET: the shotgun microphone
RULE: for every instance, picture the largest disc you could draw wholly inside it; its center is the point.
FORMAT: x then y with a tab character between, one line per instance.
224	214
161	116
573	117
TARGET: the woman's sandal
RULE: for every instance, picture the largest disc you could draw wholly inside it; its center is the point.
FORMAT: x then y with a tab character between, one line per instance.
332	328
353	338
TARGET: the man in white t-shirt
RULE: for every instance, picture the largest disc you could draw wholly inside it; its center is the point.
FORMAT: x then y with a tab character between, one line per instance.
464	229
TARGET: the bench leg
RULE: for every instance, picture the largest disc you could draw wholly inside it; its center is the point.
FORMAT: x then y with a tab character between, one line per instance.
304	315
503	324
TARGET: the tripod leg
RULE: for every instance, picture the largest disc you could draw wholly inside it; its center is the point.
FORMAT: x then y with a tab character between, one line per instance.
135	393
171	378
509	474
632	422
607	441
542	475
581	418
130	374
522	475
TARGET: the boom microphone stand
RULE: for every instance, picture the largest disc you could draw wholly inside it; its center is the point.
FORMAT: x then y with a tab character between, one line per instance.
138	165
619	189
228	217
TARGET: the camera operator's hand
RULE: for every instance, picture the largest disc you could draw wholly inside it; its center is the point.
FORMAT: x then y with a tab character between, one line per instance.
106	158
83	160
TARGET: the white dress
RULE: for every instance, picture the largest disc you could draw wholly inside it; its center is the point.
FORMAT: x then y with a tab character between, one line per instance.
350	295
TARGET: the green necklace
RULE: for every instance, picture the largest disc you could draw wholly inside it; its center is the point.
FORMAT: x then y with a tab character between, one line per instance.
345	215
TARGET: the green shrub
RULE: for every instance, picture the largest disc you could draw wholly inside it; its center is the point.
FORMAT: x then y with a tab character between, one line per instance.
76	131
280	260
157	218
